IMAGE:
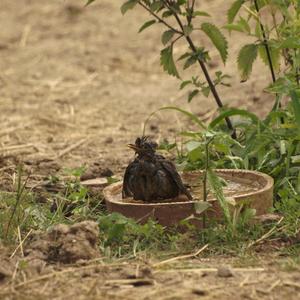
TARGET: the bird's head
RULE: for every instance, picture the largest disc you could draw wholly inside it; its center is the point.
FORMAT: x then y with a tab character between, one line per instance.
143	147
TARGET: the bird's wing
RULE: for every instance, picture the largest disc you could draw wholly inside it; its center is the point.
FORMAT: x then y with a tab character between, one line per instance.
126	192
171	170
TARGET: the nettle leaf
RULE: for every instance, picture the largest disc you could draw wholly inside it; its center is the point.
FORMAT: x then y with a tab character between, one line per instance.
167	14
167	61
274	53
146	25
167	36
205	91
185	83
234	9
242	26
185	55
200	13
190	61
217	38
245	25
246	58
192	94
128	5
296	106
235	27
156	5
290	42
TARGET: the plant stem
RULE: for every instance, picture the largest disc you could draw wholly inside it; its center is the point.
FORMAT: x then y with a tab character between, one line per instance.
265	41
205	180
159	19
204	70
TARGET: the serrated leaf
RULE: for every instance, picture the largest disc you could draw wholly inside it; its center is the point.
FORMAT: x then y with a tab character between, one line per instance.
185	83
274	53
167	61
296	106
192	94
146	25
217	39
183	56
200	13
290	42
167	14
235	27
217	189
167	36
246	58
205	91
190	61
244	24
156	5
234	9
128	5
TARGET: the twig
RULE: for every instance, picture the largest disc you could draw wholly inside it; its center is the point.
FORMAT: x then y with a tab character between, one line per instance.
17	147
181	257
25	35
141	281
71	148
20	241
266	235
290	283
160	19
265	40
53	274
274	285
207	270
21	244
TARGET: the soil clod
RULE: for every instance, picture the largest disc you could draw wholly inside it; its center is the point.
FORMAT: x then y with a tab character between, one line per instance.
224	272
65	244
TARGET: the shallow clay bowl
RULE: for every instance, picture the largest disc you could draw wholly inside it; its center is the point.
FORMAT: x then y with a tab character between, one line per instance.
168	213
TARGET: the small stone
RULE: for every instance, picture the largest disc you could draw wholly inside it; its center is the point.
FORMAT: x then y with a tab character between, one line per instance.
199	292
109	140
224	272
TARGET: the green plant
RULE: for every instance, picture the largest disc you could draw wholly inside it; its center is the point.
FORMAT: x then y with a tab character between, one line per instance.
188	21
270	145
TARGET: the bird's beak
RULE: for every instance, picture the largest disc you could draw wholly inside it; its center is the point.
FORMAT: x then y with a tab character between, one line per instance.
133	147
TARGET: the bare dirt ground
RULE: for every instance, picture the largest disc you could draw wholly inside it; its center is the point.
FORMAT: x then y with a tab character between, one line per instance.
75	87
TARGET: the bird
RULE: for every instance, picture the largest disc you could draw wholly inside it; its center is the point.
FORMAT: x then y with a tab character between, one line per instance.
151	177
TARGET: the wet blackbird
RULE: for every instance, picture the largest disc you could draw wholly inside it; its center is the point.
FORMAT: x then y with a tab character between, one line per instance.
150	176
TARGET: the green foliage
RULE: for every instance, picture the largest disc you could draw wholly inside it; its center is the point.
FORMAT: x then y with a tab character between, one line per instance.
217	39
167	61
271	145
146	25
128	5
276	35
234	9
246	58
120	235
167	36
274	53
